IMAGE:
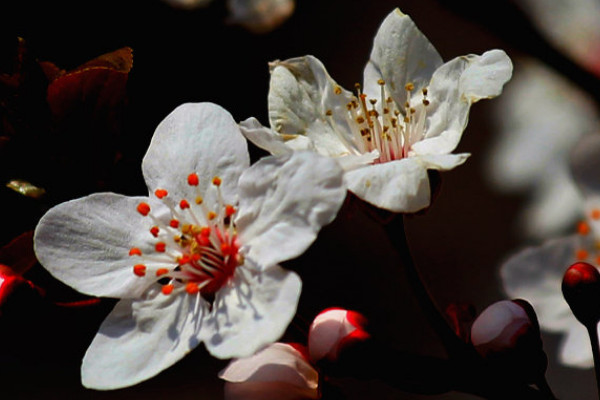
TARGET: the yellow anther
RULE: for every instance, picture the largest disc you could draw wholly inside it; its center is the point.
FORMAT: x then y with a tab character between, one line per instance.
381	82
337	90
199	200
329	113
409	86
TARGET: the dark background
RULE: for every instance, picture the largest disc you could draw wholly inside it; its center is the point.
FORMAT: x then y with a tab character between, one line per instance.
193	56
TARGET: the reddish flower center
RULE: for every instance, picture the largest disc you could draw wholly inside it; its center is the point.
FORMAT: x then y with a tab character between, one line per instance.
196	250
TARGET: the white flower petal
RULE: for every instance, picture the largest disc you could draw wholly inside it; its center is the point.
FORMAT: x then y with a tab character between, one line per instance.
301	94
266	138
85	243
576	350
139	339
278	362
401	54
535	274
284	202
443	162
351	161
555	204
251	312
539	112
196	137
454	87
398	186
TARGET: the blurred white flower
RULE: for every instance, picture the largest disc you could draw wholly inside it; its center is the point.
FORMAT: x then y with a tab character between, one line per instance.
573	26
539	118
259	16
536	273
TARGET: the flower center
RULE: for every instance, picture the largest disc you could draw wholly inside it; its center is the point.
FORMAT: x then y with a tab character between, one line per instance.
197	250
588	248
381	124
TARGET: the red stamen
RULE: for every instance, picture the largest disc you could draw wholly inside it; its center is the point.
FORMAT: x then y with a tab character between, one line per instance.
183	204
167	289
205	231
174	223
184	259
135	252
160	193
143	208
202	240
583	228
160	247
162	271
192	288
139	269
229	210
193	180
595	214
216	181
211	215
226	249
581	254
154	231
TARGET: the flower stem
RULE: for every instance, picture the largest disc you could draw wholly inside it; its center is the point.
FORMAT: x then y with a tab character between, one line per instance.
542	384
592	329
455	347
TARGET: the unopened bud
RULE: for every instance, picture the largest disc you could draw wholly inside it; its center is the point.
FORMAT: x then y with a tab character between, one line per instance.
581	290
507	336
332	330
279	371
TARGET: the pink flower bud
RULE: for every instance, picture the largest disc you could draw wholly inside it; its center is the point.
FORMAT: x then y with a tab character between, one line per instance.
279	371
507	336
332	330
499	326
581	290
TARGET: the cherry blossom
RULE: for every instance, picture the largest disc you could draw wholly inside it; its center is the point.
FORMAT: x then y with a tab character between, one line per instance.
197	260
407	118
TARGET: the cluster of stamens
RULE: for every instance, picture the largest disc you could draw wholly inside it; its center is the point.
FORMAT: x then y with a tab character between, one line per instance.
196	250
387	127
584	251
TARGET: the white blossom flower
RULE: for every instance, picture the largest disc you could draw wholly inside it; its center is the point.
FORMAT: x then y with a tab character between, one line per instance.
197	261
407	118
536	273
540	113
571	25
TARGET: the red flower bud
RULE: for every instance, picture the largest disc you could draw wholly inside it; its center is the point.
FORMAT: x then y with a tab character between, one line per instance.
581	290
332	330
